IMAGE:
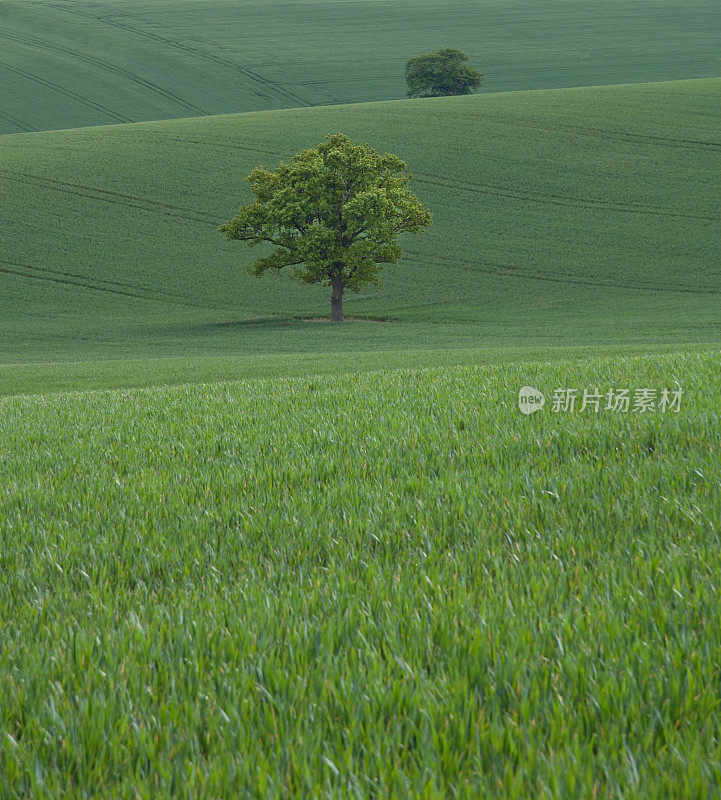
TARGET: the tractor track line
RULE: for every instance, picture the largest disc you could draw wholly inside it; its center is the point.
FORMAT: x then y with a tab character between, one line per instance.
628	137
116	198
642	138
15	121
44	180
559	200
79	284
246	72
518	273
490	268
444	181
164	293
562	196
509	271
66	92
106	65
57	276
253	77
219	144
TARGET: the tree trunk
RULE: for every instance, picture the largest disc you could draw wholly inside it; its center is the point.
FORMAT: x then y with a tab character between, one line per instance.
336	299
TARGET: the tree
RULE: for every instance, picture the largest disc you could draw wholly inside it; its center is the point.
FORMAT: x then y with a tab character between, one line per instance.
332	214
441	73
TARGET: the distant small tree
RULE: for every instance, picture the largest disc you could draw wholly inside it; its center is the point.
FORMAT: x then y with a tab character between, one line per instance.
332	214
441	73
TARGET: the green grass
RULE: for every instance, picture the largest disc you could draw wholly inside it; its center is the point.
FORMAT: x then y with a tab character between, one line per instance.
359	571
67	63
567	217
381	585
64	376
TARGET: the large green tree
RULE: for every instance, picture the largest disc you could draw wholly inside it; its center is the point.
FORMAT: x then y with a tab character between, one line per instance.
441	73
333	215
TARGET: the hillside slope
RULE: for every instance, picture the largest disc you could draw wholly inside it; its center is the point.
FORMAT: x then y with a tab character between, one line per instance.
67	63
389	586
573	216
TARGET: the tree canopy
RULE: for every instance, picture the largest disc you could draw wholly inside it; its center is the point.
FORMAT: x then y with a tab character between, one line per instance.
332	214
441	73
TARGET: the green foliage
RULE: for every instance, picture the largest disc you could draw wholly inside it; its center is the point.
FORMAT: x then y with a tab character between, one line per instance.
333	213
271	589
553	219
440	74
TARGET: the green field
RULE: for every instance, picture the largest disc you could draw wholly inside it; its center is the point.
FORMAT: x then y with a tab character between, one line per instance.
247	553
385	585
71	62
566	217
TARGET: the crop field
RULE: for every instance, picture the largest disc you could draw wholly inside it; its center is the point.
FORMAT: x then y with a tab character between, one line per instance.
579	216
381	585
249	553
67	63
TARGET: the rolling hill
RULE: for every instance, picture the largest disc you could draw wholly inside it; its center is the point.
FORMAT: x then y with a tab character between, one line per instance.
565	217
285	578
386	586
68	63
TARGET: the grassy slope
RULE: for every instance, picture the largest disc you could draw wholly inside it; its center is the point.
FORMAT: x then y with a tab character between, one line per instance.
74	63
64	376
569	217
275	588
